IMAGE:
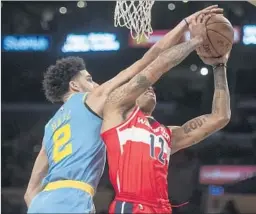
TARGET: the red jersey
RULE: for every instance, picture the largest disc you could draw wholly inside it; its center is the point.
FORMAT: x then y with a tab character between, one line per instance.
138	155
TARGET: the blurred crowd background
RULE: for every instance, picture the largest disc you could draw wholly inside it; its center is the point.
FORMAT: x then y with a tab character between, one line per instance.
215	176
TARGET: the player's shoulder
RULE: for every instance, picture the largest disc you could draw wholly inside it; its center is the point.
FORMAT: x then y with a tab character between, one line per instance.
75	103
48	123
62	114
76	98
135	116
127	123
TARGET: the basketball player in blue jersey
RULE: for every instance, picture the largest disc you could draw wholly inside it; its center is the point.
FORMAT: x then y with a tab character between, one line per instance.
71	161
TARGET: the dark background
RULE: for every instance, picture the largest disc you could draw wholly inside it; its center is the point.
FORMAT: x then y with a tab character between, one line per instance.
182	94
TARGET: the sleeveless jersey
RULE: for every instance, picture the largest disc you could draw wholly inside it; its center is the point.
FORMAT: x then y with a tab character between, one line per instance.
73	144
138	152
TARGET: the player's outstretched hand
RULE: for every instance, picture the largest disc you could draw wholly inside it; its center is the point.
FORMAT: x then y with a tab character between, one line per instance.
214	9
198	27
215	61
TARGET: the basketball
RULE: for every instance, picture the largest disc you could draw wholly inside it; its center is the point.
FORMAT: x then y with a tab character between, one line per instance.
220	37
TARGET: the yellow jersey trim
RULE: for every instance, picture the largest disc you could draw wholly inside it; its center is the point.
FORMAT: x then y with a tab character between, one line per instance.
70	184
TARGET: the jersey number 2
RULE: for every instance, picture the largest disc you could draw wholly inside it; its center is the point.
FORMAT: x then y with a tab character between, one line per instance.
152	148
60	138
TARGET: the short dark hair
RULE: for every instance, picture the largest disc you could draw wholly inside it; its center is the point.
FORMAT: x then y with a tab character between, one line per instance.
57	77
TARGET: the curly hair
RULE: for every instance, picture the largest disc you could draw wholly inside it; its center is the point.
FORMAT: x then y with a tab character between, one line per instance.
57	77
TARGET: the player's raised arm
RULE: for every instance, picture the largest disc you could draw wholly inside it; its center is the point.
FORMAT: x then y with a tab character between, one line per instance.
199	128
125	96
168	41
38	173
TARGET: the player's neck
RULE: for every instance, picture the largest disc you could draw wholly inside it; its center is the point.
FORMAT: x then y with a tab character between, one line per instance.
147	114
67	96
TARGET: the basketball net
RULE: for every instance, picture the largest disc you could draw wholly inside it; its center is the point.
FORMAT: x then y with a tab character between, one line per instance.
136	16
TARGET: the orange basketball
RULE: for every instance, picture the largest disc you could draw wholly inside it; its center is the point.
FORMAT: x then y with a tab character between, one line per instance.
220	37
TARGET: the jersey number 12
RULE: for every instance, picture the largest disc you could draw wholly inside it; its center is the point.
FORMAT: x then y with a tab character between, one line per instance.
152	148
60	138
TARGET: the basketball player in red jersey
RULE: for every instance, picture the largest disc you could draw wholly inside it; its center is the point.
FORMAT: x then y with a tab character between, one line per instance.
69	76
138	146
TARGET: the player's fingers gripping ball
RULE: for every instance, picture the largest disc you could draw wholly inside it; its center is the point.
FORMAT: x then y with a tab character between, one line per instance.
219	39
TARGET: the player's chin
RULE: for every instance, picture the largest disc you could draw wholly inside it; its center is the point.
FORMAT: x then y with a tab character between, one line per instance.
152	98
151	101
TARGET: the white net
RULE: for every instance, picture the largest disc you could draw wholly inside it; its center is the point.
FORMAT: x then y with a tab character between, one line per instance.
136	16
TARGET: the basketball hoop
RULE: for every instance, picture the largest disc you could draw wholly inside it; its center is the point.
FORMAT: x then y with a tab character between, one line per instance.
136	16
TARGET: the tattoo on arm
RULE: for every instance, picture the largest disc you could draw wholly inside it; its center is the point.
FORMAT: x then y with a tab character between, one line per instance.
142	82
221	98
178	53
199	128
128	93
194	124
220	79
215	103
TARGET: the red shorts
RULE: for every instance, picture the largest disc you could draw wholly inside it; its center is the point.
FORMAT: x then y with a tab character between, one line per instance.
120	207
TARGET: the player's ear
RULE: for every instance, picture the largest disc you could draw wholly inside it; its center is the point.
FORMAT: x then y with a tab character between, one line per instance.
74	86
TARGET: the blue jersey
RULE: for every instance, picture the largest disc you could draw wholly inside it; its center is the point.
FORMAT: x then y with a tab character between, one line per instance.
73	144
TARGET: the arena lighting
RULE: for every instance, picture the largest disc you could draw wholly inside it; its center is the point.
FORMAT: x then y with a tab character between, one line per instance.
159	34
225	174
171	6
81	4
91	42
193	67
63	10
249	34
204	71
237	35
25	43
215	190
